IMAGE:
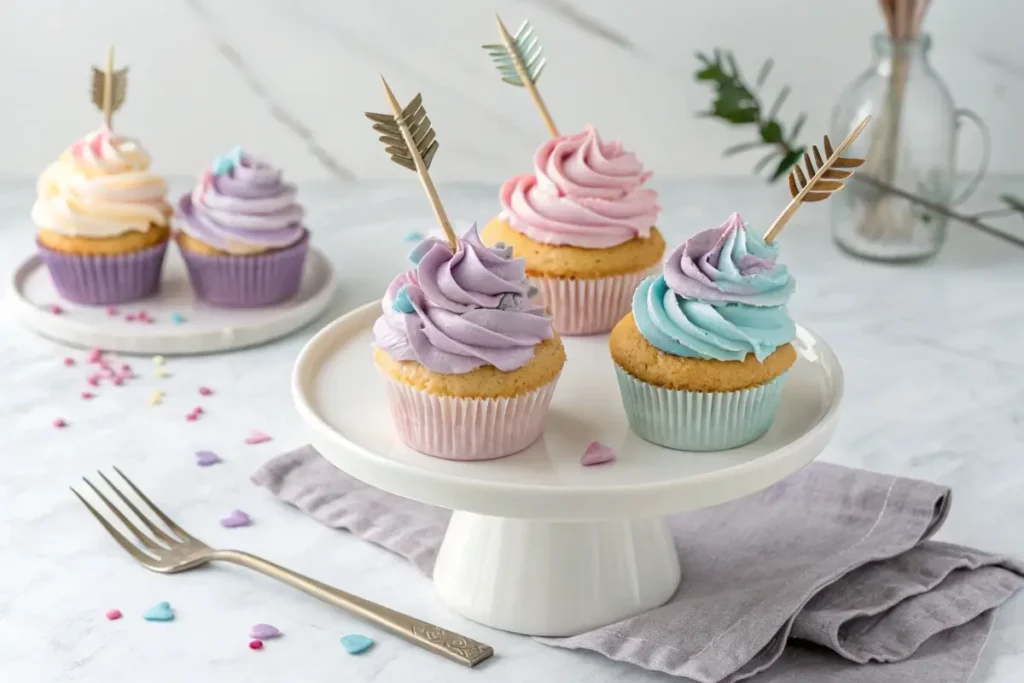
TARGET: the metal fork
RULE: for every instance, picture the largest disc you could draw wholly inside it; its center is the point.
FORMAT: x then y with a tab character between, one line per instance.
179	551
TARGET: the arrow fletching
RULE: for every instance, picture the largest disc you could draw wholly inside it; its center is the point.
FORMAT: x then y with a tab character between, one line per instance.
523	59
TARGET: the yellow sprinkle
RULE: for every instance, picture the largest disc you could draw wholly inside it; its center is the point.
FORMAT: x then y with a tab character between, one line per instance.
157	398
162	373
159	360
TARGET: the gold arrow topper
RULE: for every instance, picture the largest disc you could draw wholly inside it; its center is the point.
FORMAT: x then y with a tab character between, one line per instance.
108	88
520	61
410	140
824	177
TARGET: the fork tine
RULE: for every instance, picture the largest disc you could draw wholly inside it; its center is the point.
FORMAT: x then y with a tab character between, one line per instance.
166	520
118	536
157	531
143	538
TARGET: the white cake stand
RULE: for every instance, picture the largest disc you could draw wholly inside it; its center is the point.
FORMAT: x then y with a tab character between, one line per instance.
537	543
205	329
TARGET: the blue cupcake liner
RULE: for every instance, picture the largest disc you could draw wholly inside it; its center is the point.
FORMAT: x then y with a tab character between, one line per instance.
698	420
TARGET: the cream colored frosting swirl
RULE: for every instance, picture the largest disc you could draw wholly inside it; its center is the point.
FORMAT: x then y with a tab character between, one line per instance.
101	187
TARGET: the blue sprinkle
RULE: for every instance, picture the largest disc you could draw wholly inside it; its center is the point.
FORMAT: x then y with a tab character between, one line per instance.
413	236
402	303
356	644
532	292
177	318
499	245
227	163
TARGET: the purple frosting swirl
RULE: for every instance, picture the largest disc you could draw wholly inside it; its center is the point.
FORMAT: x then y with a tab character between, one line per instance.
242	206
458	311
729	264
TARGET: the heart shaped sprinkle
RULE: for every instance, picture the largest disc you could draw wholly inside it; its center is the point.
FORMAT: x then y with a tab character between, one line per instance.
236	519
69	361
205	391
60	423
113	614
177	318
86	395
256	437
55	309
356	644
597	454
161	611
205	459
264	632
95	355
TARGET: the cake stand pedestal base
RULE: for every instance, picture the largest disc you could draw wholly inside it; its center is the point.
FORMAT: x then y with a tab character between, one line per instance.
546	578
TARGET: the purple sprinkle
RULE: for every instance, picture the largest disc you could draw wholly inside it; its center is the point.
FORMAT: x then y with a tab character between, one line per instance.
597	454
237	518
207	458
264	632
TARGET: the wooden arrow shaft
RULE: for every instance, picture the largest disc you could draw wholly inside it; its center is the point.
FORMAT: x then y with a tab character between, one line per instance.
108	89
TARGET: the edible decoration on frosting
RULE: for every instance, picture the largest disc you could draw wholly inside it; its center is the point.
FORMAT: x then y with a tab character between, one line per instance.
402	303
264	632
236	519
101	187
458	322
520	61
207	458
585	193
597	454
257	437
356	644
245	208
722	296
161	611
109	88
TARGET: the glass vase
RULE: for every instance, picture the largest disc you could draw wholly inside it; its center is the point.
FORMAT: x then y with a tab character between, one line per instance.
910	145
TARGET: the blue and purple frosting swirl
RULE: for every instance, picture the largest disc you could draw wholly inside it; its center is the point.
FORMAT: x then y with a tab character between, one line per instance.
722	296
462	309
242	206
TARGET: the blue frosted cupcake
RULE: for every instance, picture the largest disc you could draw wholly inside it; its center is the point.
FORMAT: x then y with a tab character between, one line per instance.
702	357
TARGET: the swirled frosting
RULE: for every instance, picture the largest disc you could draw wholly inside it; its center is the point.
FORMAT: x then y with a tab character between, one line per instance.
101	187
460	310
240	205
585	193
722	296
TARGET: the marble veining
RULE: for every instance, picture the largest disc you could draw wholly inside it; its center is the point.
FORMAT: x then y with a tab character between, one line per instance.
935	389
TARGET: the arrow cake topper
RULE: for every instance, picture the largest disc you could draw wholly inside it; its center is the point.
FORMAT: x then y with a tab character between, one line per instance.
824	177
520	61
108	88
410	140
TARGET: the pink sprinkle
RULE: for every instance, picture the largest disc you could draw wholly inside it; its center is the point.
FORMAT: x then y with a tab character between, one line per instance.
205	391
94	381
191	417
95	355
60	423
55	309
198	410
255	644
130	317
111	311
597	454
256	437
86	395
126	368
69	361
113	614
118	381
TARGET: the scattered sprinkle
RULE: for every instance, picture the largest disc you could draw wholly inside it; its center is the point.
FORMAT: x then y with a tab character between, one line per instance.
264	632
255	644
162	373
356	644
198	410
118	381
597	454
94	380
237	518
69	361
95	355
159	360
111	311
177	318
60	423
126	369
161	611
157	398
413	236
205	391
131	317
113	614
205	459
86	395
191	417
257	437
55	309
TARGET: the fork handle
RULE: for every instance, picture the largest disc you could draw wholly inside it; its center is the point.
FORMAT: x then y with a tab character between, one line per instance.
446	643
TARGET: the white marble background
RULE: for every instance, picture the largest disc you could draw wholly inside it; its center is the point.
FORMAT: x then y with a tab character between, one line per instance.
290	79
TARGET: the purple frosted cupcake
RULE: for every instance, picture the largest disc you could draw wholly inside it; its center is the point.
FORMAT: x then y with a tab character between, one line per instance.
241	234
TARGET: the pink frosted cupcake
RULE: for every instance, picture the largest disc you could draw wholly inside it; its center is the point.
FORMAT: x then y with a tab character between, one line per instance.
470	363
584	223
242	234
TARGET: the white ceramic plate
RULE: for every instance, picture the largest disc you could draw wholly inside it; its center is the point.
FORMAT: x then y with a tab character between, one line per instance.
206	329
341	397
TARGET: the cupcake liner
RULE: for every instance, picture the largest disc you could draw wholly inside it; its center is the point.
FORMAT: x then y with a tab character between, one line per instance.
697	420
588	306
456	428
99	279
247	281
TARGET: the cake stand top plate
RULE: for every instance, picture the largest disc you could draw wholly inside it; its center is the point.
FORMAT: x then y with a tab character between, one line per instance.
341	397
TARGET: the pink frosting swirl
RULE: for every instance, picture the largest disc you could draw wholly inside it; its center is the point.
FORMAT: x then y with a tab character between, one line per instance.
586	193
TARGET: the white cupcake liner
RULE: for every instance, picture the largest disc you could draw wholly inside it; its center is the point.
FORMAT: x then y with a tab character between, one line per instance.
588	306
456	428
697	420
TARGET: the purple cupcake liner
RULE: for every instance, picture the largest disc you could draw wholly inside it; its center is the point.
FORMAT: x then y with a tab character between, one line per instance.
98	279
247	281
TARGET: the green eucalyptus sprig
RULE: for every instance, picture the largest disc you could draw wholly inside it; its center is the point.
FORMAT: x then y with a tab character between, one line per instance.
738	104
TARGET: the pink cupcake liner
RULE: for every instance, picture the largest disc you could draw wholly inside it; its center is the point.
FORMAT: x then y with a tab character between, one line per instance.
455	428
98	280
247	281
590	306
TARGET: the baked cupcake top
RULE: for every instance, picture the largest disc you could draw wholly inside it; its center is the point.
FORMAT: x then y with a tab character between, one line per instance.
242	206
101	187
460	310
584	192
722	295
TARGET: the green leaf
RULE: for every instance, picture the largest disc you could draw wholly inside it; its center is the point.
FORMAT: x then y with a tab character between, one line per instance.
777	104
733	66
1012	202
712	72
771	132
735	113
741	147
762	75
786	162
759	166
797	127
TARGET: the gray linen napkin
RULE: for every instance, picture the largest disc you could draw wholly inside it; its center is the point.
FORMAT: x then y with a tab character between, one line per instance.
826	577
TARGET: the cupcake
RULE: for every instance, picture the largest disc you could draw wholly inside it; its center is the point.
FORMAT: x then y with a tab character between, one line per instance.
103	221
470	362
702	358
584	222
241	234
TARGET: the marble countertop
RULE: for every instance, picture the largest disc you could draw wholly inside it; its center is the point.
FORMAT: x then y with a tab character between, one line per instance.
935	391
